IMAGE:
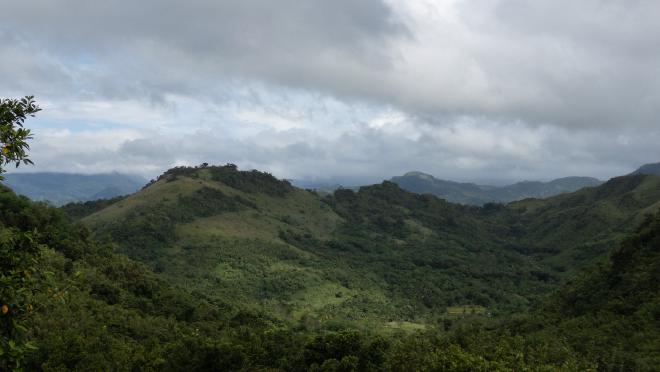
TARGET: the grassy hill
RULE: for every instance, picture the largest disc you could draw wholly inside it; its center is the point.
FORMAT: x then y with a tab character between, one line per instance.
379	256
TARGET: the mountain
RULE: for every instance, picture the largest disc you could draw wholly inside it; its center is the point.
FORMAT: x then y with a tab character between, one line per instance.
652	168
473	194
214	268
266	244
62	188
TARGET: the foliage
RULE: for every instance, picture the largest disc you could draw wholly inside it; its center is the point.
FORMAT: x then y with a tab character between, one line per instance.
18	253
13	136
18	248
79	210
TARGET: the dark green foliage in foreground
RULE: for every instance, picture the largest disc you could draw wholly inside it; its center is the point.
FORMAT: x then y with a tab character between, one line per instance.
18	254
612	311
13	135
19	250
606	317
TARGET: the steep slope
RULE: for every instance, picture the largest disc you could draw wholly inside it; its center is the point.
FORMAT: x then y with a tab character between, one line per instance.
469	193
378	255
570	230
604	318
617	300
62	188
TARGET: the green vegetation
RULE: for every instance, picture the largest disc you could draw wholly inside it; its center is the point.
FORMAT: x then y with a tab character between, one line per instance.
353	292
18	248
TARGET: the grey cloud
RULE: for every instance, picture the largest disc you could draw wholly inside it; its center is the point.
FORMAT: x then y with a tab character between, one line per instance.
575	64
180	45
550	88
369	155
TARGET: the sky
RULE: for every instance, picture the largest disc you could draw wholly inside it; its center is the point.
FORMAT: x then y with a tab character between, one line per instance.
340	91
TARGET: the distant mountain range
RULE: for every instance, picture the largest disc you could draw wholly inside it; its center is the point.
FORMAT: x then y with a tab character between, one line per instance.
470	193
62	188
474	194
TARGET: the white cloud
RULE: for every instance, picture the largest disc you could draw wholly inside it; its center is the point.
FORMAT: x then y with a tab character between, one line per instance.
462	89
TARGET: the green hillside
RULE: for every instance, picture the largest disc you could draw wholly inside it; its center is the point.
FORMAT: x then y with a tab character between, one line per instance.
219	269
606	314
380	257
574	229
612	310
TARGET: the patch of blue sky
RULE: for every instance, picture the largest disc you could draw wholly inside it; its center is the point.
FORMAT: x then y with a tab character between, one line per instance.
72	125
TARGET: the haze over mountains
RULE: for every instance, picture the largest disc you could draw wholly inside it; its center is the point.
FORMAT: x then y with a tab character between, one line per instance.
651	168
470	193
62	188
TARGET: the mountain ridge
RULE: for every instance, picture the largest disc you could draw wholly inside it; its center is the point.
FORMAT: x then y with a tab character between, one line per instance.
475	194
213	211
650	168
61	188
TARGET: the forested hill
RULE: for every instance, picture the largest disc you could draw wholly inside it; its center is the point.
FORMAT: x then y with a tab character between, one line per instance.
473	194
608	314
394	255
615	301
214	268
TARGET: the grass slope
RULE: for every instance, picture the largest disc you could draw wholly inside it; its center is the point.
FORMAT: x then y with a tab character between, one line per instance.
377	258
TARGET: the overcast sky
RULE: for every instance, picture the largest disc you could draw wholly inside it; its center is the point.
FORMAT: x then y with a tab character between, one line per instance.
342	90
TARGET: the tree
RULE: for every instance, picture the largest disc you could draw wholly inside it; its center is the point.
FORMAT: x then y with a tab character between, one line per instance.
18	249
13	136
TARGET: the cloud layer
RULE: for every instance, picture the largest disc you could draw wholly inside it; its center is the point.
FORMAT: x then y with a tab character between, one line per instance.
342	89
